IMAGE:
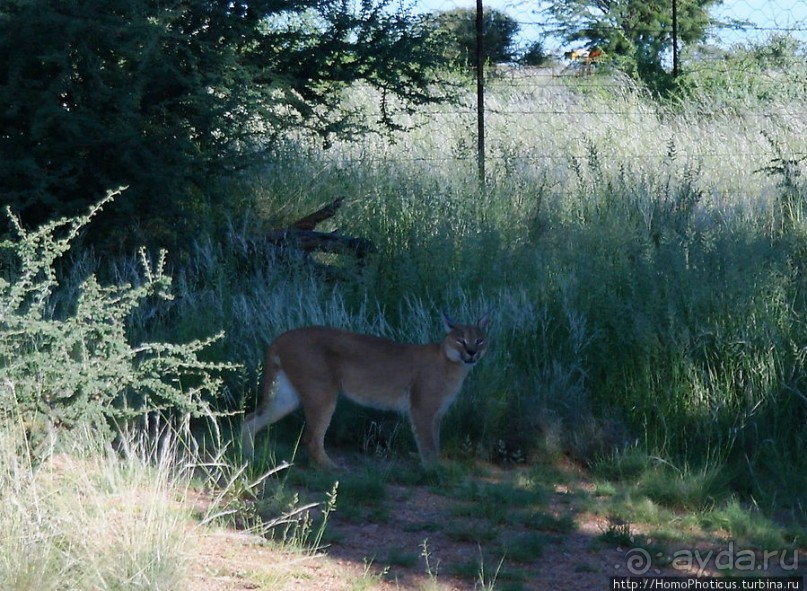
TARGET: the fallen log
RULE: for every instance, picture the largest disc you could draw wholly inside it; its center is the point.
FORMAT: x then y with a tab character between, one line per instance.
302	236
310	241
310	221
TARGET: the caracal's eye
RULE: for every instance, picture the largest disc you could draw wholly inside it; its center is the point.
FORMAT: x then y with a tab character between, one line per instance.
462	343
480	342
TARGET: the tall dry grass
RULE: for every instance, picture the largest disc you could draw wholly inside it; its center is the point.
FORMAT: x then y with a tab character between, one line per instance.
86	517
642	259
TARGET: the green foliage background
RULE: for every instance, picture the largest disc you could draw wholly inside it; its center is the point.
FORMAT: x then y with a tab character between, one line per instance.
168	97
647	289
459	25
634	33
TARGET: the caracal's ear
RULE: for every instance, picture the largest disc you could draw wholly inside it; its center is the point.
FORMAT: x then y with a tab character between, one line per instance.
482	323
447	321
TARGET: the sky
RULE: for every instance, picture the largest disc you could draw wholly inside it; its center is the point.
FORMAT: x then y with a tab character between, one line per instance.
764	16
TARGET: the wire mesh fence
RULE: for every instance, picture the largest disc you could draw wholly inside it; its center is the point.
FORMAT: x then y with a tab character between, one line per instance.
731	21
564	111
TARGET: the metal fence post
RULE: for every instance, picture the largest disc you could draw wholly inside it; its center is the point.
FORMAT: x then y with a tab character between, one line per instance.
480	92
675	55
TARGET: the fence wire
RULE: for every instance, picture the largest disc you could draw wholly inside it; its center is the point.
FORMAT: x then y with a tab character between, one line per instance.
732	21
563	95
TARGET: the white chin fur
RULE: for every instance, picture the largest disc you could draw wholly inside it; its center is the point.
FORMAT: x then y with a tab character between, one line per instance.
454	355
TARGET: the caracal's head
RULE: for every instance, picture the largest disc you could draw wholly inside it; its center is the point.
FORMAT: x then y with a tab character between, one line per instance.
466	343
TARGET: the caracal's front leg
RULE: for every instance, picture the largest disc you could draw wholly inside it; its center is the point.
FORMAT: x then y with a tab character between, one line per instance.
426	428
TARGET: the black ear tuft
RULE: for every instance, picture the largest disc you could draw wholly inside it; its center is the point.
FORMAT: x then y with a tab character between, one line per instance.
483	322
447	321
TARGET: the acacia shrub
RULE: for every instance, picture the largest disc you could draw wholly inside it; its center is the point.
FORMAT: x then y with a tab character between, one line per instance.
66	359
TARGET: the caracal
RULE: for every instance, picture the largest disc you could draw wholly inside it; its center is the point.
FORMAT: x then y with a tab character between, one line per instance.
310	366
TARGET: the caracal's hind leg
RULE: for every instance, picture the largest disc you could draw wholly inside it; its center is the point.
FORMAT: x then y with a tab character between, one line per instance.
318	414
272	408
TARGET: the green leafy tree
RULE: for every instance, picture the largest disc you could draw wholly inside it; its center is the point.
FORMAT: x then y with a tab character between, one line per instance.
772	71
534	55
165	96
459	26
637	33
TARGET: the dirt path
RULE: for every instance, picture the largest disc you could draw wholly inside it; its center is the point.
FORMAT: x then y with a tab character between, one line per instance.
423	539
